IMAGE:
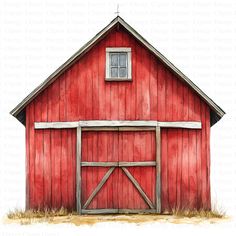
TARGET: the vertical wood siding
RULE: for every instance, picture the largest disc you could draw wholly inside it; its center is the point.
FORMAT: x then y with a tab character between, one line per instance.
81	93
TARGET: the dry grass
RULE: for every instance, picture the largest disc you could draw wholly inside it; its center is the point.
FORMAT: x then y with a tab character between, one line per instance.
63	216
214	213
31	214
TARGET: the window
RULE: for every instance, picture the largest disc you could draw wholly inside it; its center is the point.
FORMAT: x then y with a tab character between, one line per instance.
118	64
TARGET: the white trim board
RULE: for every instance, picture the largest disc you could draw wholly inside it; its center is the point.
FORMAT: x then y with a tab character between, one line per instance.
118	123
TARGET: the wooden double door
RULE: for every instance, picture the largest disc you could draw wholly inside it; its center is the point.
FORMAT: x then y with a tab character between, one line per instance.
118	171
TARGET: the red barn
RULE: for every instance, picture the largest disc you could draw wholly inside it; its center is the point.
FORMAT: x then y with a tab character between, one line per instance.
118	129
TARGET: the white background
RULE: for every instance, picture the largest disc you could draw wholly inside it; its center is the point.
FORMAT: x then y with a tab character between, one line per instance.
37	36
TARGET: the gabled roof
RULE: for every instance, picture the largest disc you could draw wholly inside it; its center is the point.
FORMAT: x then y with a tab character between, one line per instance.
19	111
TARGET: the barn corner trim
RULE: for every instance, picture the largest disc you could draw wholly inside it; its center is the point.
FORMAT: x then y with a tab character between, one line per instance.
19	111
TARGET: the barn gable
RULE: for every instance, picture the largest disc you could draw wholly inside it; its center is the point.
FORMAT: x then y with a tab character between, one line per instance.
216	113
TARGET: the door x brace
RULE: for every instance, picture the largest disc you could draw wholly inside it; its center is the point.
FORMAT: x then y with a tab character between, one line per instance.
131	178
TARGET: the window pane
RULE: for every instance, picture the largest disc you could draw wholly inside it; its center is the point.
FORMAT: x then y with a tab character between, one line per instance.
122	59
114	72
114	59
122	72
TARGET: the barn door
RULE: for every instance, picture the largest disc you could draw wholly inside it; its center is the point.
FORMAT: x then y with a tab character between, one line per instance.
118	172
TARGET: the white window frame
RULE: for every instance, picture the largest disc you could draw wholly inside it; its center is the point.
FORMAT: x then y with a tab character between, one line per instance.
129	69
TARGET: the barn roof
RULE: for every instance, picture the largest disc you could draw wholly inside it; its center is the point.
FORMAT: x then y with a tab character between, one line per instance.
19	111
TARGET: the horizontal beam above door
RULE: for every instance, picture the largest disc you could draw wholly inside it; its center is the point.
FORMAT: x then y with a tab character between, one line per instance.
117	123
122	125
123	128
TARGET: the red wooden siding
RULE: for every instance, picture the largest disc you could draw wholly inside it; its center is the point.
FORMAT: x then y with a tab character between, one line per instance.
81	93
51	167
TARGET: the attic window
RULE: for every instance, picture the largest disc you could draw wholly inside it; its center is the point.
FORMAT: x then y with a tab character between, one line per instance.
118	64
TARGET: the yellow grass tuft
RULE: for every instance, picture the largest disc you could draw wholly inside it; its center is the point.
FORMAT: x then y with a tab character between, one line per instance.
30	214
202	213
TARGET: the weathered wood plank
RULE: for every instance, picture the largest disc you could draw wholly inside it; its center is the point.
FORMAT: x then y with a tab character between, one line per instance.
97	189
131	128
99	164
149	123
123	163
180	124
115	211
100	129
158	170
117	123
118	49
100	211
118	79
106	124
138	187
56	125
136	211
137	163
136	128
78	170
